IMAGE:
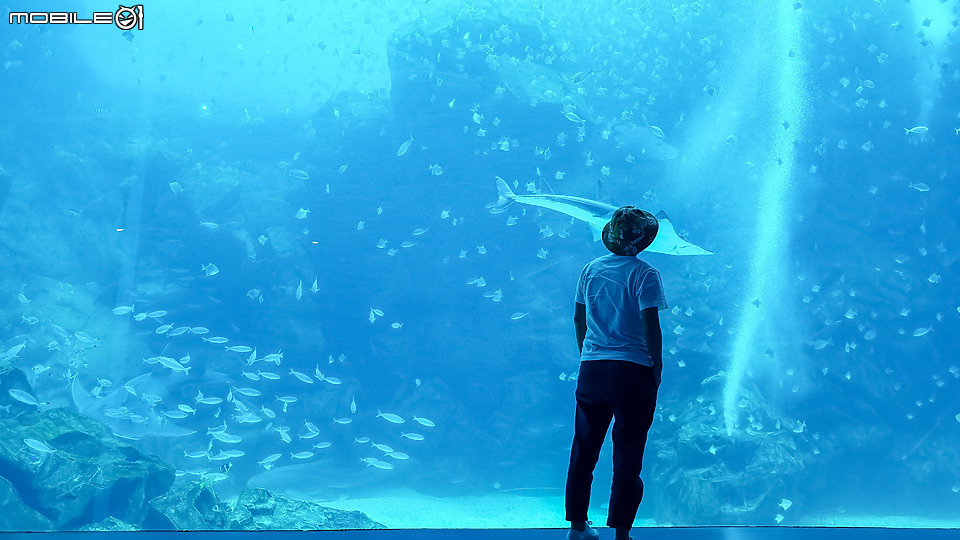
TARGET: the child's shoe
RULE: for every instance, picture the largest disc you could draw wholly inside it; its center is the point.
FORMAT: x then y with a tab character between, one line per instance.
588	534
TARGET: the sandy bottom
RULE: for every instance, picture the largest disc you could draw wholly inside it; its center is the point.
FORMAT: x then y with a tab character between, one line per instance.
913	522
406	509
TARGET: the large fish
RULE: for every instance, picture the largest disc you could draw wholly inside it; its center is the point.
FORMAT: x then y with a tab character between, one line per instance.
324	480
643	142
597	214
132	417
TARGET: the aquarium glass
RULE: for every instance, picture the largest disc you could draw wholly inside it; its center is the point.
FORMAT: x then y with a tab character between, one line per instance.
311	264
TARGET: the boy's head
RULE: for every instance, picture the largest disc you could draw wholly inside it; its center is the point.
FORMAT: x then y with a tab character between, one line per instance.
630	231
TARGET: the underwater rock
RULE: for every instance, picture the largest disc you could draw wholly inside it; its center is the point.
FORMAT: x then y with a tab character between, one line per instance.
74	471
108	525
196	506
705	477
16	515
259	509
192	507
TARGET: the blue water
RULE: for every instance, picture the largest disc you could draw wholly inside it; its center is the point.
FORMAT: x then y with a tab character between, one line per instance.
810	370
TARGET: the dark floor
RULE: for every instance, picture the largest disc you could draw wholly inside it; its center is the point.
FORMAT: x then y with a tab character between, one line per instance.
675	533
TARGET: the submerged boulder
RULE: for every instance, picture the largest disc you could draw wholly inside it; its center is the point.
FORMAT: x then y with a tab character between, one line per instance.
191	507
74	471
110	524
260	509
196	506
704	476
16	515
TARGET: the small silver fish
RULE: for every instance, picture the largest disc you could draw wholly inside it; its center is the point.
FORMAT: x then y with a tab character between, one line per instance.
39	446
173	365
405	146
390	417
423	421
269	459
208	400
302	376
23	397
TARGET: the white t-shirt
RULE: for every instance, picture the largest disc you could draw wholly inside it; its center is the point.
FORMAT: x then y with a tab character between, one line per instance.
614	289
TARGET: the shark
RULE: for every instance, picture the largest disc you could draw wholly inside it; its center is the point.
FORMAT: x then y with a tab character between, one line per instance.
646	142
323	480
133	416
597	214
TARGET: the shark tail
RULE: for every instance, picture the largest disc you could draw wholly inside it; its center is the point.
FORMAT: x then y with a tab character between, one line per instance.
506	196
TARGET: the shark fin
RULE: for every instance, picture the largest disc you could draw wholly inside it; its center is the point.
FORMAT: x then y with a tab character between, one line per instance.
506	196
544	181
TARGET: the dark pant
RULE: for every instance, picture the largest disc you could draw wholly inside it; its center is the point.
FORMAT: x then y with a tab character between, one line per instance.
608	389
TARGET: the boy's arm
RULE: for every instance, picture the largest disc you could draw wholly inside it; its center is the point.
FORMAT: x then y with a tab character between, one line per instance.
580	324
651	323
